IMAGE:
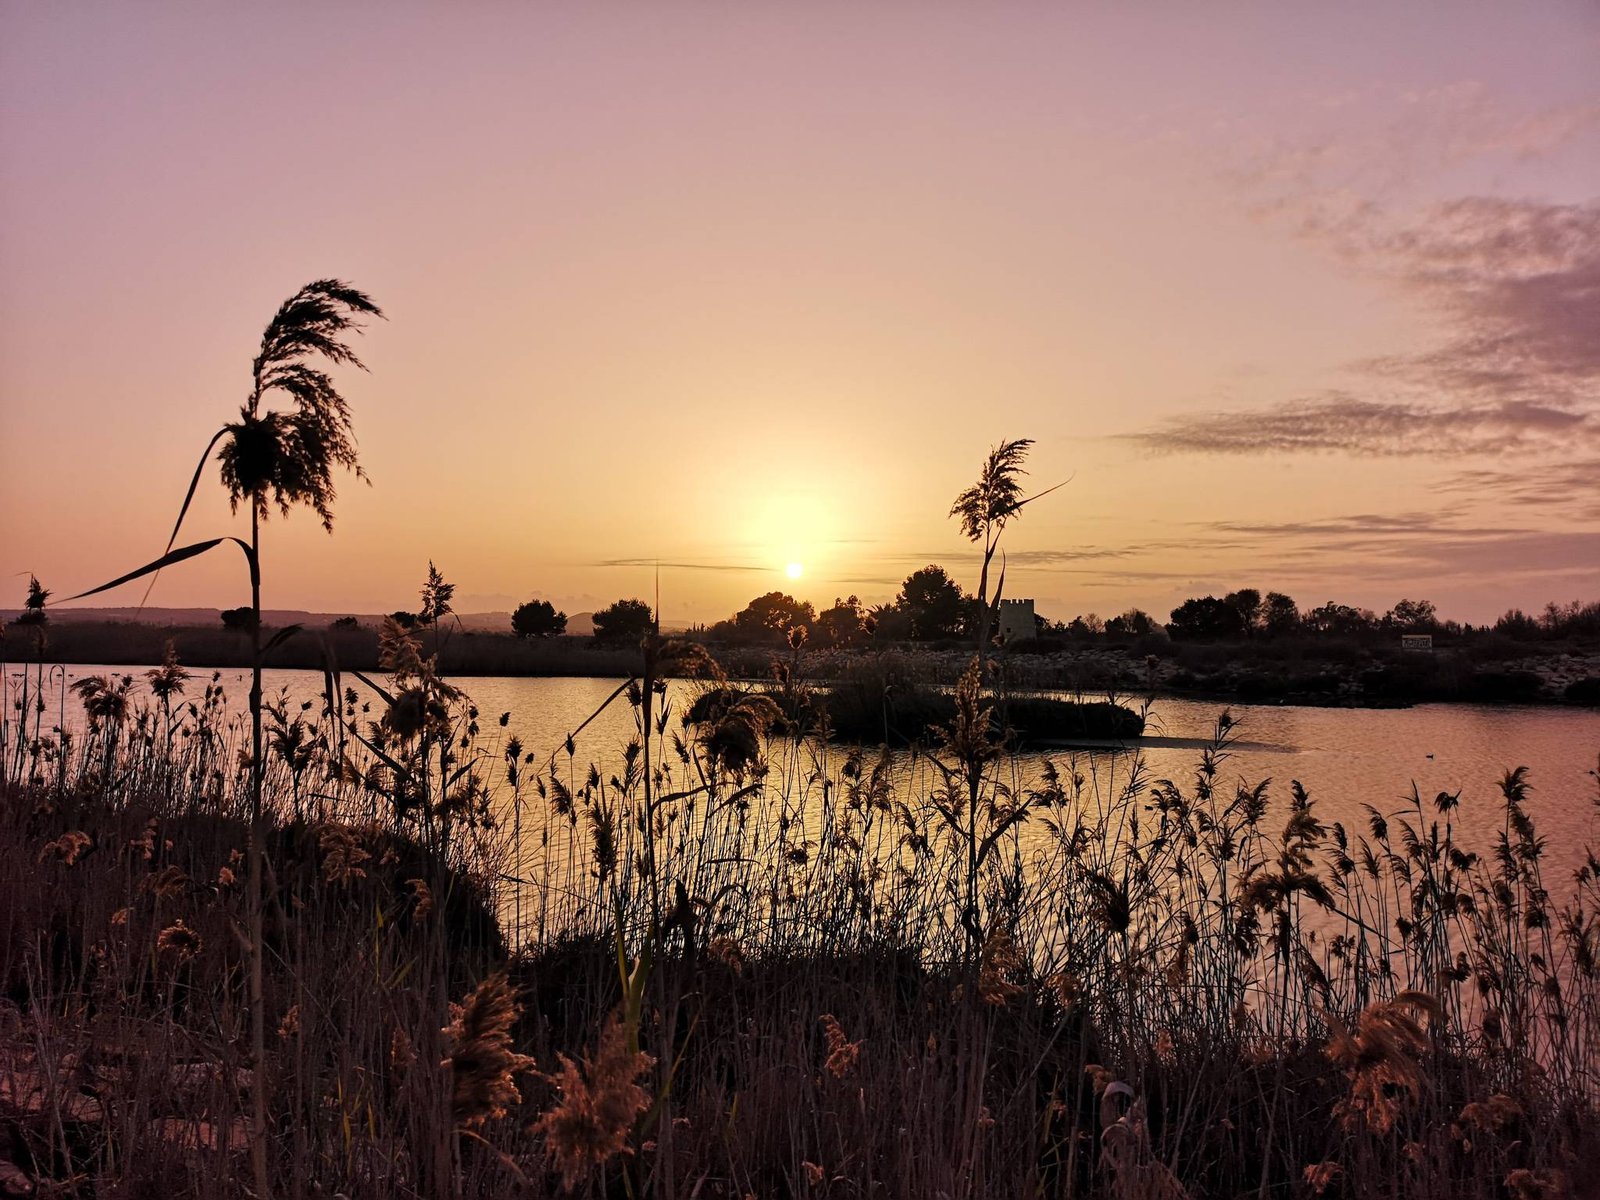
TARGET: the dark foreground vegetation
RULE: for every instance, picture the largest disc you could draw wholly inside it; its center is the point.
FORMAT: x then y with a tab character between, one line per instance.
725	966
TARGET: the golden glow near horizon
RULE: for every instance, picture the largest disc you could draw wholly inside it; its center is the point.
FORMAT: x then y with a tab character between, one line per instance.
794	570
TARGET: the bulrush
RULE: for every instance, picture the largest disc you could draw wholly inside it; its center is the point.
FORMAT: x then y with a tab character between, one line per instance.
591	1122
482	1063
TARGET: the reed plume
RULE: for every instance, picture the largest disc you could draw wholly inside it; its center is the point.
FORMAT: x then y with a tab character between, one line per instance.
591	1122
482	1064
1381	1058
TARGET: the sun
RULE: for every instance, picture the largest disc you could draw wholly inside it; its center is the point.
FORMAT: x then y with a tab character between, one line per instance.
794	570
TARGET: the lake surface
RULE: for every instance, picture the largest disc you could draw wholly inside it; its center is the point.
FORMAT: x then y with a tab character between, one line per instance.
1346	758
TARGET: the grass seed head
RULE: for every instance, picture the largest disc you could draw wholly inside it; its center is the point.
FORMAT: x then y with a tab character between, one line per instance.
591	1122
1381	1058
422	898
343	854
68	848
842	1052
179	942
482	1063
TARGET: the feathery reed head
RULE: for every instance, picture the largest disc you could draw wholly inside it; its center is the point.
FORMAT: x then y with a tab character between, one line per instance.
591	1122
481	1062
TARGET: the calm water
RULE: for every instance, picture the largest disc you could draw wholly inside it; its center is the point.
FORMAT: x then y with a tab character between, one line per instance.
1345	757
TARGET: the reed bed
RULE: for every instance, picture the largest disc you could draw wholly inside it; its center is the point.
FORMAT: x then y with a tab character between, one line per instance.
736	964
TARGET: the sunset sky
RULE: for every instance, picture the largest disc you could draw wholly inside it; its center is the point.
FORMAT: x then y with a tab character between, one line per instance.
1299	297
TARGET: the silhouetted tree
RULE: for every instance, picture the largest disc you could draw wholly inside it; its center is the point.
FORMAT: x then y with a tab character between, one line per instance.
344	623
1517	624
1279	614
1086	626
1339	619
771	616
1205	619
887	623
1412	615
538	618
1133	623
1247	602
933	604
240	620
842	625
404	619
624	621
1575	619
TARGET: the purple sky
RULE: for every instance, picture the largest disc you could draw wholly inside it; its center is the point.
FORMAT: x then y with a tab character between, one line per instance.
1304	298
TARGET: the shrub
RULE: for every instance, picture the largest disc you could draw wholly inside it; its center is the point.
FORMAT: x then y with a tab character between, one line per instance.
1504	687
1584	691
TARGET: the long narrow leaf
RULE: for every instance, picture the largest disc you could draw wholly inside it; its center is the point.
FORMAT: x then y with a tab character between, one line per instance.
332	687
166	560
1046	492
400	771
188	499
387	698
1000	586
194	483
282	636
604	704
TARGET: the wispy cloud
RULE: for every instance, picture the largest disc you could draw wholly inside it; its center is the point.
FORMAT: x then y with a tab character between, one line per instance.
1517	285
1565	486
1339	421
1516	288
1512	284
1357	525
684	565
1374	142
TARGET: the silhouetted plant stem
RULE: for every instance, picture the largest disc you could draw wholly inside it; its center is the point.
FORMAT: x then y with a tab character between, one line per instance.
258	1034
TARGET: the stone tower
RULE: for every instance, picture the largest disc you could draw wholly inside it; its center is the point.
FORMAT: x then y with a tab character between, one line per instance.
1017	620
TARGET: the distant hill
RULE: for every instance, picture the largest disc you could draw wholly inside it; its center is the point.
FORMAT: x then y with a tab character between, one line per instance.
488	622
578	625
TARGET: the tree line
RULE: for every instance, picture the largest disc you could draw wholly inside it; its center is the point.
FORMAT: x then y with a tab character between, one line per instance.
932	607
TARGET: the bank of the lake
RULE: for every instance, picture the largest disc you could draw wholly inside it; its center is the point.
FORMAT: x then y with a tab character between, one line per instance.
1304	672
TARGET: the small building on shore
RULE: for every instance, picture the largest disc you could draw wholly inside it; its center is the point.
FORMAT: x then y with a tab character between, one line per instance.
1017	621
1421	642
